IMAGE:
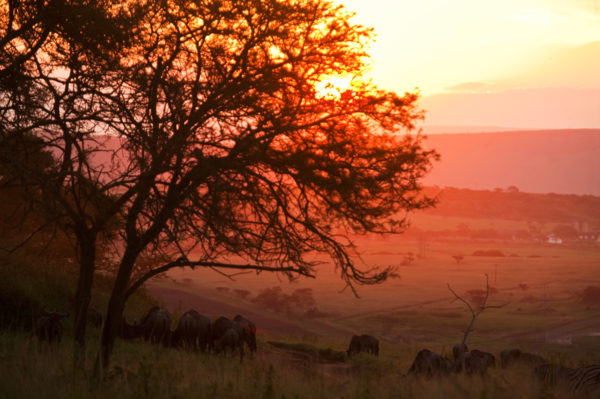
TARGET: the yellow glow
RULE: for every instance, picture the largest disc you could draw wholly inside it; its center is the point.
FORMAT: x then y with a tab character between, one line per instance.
332	87
437	44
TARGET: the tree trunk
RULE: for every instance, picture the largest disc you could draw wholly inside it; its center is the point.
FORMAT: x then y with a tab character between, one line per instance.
87	259
114	313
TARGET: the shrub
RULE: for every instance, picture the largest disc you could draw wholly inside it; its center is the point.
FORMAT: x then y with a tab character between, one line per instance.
591	295
298	303
243	294
489	252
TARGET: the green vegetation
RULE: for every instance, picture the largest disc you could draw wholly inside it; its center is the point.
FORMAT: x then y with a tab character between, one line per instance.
517	206
30	283
30	370
315	353
27	285
556	287
506	215
312	366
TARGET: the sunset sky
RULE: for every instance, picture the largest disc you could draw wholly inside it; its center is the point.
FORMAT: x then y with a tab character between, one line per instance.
467	56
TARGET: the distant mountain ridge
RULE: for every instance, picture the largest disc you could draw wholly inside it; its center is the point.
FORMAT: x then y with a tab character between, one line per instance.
535	161
516	206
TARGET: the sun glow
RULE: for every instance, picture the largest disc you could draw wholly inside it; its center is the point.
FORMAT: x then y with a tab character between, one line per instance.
332	87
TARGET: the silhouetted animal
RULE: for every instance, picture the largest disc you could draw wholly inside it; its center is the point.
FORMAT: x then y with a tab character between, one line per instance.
129	331
582	380
193	331
475	362
458	350
249	329
363	343
48	326
220	327
509	357
230	340
430	364
156	325
94	317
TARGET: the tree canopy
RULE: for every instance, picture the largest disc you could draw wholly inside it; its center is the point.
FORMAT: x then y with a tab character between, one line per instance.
207	136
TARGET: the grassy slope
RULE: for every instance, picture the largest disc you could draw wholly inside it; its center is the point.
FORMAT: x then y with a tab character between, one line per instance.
408	314
553	277
141	370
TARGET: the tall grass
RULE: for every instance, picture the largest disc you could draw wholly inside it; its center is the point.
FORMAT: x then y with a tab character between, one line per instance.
29	369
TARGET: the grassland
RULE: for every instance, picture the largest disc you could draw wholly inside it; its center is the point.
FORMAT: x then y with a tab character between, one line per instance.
539	285
29	370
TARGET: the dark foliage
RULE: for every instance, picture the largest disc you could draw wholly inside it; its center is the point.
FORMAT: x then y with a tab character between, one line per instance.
48	327
591	295
363	344
430	364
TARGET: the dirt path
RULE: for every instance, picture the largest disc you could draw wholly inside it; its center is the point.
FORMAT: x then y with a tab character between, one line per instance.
562	333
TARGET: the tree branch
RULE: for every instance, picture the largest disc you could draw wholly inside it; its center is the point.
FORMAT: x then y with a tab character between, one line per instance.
182	262
482	307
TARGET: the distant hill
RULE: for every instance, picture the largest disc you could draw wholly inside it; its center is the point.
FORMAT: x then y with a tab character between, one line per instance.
535	161
517	206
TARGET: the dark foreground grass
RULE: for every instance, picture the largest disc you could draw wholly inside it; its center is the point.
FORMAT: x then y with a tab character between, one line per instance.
31	370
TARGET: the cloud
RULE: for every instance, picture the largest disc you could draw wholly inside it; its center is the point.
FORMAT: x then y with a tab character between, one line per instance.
554	66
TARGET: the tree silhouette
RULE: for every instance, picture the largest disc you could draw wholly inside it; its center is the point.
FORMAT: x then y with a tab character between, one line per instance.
458	258
216	142
44	46
478	309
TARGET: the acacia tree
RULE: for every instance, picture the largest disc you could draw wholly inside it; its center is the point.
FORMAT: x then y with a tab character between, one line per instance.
50	52
232	149
210	137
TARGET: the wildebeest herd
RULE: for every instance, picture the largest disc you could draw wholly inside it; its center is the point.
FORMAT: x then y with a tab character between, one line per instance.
196	332
193	332
576	380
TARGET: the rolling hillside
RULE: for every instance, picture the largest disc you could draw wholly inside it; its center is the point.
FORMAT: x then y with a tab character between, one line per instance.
535	161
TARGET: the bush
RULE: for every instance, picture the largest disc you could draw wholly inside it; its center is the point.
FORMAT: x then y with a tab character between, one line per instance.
489	252
28	285
298	303
243	294
591	295
324	355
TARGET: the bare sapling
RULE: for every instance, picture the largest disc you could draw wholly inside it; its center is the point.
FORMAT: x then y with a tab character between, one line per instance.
476	310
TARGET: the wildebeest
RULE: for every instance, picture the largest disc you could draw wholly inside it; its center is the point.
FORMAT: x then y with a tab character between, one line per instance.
48	326
581	380
458	350
156	325
509	357
429	364
219	327
94	317
230	340
129	331
475	362
363	343
193	331
249	331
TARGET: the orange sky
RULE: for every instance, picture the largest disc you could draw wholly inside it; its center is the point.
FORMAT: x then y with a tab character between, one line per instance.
482	47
